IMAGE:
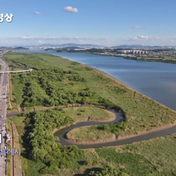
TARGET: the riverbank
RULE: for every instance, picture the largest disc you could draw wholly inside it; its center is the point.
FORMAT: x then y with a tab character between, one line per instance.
121	83
133	57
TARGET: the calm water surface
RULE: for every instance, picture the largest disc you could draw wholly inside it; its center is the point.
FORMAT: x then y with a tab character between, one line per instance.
156	80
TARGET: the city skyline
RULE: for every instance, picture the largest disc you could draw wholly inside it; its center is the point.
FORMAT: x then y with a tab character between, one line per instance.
107	23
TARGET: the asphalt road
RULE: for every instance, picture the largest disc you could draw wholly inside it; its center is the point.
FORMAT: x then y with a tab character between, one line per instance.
3	112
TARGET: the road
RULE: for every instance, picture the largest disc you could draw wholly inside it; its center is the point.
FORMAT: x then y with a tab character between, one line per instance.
3	112
19	71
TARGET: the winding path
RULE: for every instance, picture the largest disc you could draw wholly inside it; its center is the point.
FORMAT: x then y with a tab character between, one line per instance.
61	133
121	141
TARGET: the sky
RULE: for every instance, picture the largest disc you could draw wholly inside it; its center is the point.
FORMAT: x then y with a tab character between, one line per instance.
102	22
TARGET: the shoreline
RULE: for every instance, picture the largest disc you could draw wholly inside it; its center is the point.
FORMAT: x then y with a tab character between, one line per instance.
126	86
169	61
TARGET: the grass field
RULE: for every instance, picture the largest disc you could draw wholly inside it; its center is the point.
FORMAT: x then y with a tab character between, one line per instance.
87	135
16	92
82	113
149	158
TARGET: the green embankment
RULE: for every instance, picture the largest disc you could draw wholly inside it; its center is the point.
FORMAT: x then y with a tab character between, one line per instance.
56	81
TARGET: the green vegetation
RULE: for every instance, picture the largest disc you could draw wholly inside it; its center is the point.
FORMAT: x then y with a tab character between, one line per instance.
55	81
53	77
97	133
89	113
154	157
131	162
109	171
48	85
89	134
8	146
39	145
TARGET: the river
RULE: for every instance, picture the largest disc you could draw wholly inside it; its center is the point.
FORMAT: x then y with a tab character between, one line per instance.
153	79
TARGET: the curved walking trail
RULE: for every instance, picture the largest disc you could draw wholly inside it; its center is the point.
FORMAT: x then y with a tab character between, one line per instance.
158	132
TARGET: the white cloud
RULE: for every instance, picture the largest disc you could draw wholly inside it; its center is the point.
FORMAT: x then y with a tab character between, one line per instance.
173	39
57	39
26	37
137	27
71	9
37	13
142	38
139	39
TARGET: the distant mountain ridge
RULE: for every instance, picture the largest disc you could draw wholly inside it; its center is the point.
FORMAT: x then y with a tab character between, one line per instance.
70	45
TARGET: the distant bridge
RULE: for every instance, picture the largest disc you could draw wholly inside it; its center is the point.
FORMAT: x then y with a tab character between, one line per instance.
20	71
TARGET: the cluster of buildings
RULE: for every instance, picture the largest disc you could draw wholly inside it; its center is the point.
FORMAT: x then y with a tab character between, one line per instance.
132	52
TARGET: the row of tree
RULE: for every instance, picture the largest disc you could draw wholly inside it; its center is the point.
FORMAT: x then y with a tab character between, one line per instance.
42	145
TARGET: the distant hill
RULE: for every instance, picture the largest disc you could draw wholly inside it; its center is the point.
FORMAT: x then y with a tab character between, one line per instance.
129	46
77	45
4	47
20	48
69	45
125	46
